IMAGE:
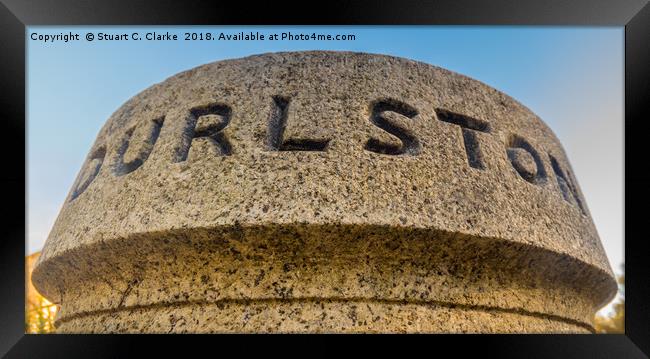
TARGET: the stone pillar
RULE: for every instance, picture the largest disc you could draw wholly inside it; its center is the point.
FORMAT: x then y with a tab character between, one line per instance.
324	192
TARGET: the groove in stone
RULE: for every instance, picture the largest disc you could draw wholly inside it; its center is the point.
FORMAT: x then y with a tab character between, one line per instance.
249	301
410	144
277	124
468	127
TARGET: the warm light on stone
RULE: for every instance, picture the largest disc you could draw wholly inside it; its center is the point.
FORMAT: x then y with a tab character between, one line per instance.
324	192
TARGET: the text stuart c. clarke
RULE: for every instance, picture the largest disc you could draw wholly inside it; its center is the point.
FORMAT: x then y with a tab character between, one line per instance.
188	36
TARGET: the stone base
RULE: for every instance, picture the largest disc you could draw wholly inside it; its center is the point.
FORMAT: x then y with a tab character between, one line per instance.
315	316
319	279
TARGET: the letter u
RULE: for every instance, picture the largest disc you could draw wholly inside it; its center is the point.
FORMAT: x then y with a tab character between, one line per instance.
120	167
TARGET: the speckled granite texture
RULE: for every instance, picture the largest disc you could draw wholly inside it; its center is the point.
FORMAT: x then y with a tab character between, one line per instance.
324	192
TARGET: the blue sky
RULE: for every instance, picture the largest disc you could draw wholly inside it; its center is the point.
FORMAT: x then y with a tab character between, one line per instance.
572	77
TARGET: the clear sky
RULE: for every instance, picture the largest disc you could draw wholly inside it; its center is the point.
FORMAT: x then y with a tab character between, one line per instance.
572	77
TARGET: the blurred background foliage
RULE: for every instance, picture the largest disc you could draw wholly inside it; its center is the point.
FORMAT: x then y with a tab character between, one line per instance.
611	319
40	313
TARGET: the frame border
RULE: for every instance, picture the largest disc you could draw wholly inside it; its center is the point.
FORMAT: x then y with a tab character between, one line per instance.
16	15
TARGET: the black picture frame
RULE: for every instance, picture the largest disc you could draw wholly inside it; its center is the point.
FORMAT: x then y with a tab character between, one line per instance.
15	15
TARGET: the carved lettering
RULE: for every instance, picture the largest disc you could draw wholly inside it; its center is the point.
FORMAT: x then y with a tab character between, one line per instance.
277	124
567	184
525	160
139	153
88	172
206	122
409	143
469	126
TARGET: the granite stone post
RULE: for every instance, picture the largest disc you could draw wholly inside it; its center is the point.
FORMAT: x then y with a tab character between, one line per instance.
324	192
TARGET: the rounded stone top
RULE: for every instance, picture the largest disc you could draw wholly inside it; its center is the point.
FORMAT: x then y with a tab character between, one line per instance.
329	153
